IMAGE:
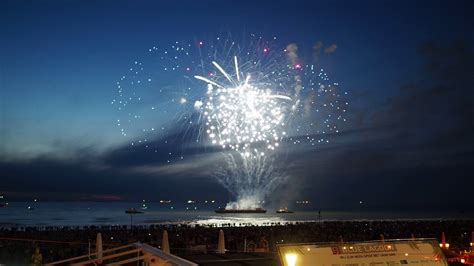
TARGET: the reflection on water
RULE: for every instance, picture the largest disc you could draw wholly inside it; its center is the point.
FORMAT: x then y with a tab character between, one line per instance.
100	213
244	220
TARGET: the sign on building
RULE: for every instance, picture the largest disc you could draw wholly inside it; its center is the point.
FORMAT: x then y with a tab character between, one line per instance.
419	252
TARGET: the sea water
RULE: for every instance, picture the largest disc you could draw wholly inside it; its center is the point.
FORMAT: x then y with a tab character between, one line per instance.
113	213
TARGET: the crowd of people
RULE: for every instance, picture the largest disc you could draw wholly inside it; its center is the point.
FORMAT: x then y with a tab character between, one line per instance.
19	244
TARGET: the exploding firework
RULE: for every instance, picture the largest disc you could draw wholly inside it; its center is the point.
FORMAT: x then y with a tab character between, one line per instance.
249	101
243	115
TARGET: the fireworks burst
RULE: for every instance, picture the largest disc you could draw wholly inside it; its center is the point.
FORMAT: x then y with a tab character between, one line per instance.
258	98
244	115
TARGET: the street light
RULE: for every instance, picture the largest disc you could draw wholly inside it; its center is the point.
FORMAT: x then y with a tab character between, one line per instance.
446	245
291	259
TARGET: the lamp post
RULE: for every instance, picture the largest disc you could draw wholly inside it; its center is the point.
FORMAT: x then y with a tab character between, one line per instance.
444	245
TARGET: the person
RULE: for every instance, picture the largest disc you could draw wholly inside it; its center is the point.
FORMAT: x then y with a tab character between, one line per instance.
37	257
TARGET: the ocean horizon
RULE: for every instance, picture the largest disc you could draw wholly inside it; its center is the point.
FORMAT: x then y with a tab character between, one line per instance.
19	214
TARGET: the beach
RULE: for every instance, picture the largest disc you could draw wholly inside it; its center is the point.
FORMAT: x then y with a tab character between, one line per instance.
194	241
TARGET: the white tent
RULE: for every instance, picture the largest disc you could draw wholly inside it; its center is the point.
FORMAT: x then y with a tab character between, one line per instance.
472	241
98	248
221	243
165	246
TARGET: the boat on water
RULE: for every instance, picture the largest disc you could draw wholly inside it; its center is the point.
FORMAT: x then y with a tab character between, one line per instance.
144	207
133	211
2	203
283	210
256	210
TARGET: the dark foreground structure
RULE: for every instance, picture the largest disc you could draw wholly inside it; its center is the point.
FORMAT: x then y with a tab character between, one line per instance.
245	245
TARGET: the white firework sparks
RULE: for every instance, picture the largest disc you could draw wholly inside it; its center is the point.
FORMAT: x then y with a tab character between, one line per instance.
244	116
261	100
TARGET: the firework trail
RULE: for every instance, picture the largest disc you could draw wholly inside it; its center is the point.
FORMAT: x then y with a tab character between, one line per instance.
246	100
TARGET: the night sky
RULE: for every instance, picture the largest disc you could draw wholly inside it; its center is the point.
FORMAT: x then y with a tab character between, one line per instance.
408	68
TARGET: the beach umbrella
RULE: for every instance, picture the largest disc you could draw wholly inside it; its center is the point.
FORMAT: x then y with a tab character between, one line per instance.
221	243
98	247
165	245
443	242
472	241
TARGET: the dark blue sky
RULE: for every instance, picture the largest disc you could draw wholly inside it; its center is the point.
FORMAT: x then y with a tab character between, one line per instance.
407	65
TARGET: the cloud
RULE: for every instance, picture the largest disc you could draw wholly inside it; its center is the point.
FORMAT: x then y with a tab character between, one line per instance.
317	47
330	49
317	50
407	150
400	153
53	179
436	110
197	166
292	53
123	171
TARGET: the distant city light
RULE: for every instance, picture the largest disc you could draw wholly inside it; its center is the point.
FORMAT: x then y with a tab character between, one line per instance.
302	202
